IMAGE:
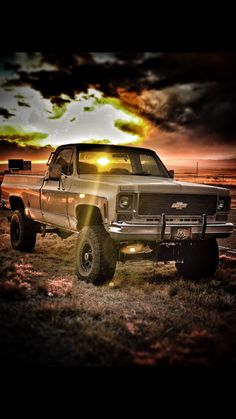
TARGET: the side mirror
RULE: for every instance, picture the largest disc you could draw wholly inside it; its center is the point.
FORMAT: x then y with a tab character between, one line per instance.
172	173
54	172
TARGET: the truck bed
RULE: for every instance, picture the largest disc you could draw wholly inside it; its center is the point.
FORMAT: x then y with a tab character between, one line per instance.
26	187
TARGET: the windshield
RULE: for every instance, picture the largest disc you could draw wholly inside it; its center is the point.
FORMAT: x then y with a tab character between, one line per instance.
125	162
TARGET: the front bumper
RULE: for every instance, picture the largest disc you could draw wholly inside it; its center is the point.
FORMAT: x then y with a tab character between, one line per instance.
163	231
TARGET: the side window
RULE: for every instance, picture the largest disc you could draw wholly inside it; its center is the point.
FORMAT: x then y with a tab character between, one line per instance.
65	159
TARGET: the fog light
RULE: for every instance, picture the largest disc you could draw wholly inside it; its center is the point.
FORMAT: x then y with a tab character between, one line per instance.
133	248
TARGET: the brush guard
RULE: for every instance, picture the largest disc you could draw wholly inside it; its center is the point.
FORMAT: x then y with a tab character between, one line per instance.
163	226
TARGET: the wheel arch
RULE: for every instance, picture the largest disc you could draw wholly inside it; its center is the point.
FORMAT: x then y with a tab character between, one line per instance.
16	203
88	215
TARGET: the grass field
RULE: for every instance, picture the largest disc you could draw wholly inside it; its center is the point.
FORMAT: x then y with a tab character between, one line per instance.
147	315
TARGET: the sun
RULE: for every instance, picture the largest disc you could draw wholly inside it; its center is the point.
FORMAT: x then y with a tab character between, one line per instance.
103	161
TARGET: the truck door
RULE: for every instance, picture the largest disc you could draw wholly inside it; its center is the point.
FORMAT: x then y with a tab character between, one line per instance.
55	193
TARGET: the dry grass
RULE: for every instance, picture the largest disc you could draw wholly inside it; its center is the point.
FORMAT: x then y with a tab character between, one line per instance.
146	316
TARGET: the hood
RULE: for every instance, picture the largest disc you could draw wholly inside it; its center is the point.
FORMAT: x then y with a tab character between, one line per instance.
155	184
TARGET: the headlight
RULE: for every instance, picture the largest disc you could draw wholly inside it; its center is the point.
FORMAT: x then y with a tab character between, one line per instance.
223	204
125	202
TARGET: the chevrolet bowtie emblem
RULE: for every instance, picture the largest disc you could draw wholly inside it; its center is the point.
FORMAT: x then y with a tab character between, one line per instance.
179	205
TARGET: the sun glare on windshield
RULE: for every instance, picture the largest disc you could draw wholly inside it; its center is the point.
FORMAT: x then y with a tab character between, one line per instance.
103	161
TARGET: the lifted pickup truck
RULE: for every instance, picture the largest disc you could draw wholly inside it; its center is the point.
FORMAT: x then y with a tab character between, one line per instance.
123	203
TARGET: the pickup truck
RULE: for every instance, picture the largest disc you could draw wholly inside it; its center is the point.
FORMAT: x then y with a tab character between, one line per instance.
123	203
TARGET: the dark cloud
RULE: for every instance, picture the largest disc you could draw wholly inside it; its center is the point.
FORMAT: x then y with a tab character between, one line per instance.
207	105
20	103
216	111
181	68
5	113
59	101
19	96
14	150
211	111
19	142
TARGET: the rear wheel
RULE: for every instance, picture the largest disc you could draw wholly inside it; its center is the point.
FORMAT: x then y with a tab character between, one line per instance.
96	255
23	232
200	259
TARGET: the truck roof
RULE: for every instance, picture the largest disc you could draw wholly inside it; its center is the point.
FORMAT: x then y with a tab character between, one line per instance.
107	146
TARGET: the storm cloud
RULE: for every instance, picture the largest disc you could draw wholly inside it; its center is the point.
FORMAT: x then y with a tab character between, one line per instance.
174	90
15	150
14	141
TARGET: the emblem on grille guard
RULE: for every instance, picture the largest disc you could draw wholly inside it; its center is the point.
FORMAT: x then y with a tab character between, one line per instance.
179	205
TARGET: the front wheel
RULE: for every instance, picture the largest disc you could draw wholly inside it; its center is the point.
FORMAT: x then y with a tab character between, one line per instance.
200	259
23	232
96	255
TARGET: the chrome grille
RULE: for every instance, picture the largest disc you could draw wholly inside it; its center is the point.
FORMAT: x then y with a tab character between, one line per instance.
153	204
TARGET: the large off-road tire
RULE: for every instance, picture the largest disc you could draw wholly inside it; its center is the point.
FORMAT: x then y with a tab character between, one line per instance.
23	232
96	255
200	259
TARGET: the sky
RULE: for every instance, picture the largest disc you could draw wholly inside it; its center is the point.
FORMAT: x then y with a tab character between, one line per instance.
182	105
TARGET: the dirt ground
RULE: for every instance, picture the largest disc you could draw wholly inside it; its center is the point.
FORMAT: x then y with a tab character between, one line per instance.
147	315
